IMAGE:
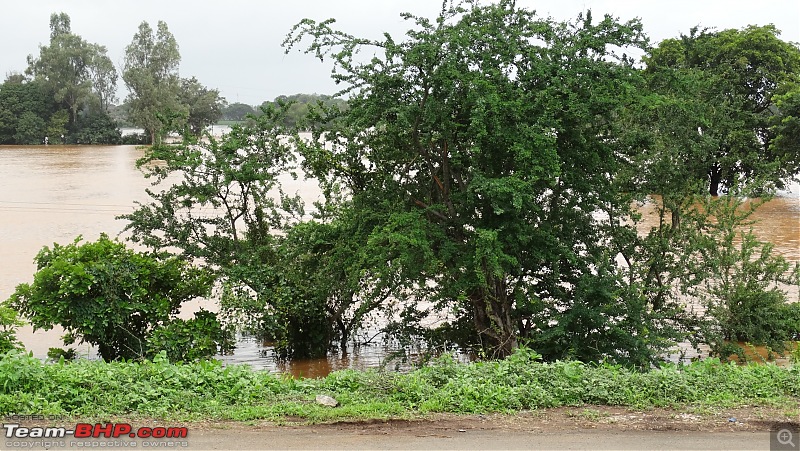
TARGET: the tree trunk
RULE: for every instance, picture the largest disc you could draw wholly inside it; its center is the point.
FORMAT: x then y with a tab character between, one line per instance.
676	219
715	178
344	335
492	316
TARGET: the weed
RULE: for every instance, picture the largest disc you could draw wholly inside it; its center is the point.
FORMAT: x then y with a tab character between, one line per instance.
208	390
587	414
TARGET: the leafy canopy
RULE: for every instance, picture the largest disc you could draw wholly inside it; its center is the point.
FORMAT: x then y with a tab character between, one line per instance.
741	76
107	295
485	148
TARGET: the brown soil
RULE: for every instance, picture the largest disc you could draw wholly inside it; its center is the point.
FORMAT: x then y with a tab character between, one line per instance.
559	419
600	418
594	427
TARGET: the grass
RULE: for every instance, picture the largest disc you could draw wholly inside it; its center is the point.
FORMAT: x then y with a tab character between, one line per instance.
207	390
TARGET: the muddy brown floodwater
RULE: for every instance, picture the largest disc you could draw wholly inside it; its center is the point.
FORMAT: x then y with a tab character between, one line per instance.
51	194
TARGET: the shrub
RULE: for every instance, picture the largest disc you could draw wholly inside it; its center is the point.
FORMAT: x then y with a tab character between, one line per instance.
107	295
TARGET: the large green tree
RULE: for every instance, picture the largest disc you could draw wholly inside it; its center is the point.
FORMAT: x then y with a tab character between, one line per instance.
104	78
301	285
486	147
738	74
24	107
150	72
205	105
715	113
237	111
223	208
75	71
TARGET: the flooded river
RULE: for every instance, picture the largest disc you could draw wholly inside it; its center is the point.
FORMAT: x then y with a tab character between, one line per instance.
51	194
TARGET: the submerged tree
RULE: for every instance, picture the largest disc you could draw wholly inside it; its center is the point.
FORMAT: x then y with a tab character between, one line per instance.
742	72
709	119
303	283
150	72
744	284
486	145
24	107
109	296
204	105
484	171
78	75
237	111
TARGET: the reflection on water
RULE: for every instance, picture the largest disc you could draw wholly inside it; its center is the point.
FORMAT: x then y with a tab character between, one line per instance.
51	194
252	352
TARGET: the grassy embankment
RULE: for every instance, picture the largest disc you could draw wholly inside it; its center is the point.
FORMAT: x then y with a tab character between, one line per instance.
206	390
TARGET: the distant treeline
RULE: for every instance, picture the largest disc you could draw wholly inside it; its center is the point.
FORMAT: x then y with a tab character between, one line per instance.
29	114
67	93
298	109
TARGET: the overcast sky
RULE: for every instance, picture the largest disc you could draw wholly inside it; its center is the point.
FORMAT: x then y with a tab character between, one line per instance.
235	45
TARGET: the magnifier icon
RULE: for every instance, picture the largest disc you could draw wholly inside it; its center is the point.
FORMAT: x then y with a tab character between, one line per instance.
785	437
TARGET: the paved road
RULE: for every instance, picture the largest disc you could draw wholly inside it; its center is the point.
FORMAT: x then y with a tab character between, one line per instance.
311	438
566	428
389	438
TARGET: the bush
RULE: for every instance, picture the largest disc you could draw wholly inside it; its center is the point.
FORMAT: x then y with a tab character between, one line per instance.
198	338
745	290
96	129
107	295
8	329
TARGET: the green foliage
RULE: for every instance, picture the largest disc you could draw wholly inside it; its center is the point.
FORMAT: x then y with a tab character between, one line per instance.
159	100
63	65
206	389
744	287
237	112
326	289
712	116
72	82
107	295
150	72
96	128
31	129
75	72
57	126
484	156
302	108
9	322
59	354
18	98
739	72
201	337
204	105
223	212
302	288
484	170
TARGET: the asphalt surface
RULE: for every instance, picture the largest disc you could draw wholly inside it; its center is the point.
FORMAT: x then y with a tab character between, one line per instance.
311	438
